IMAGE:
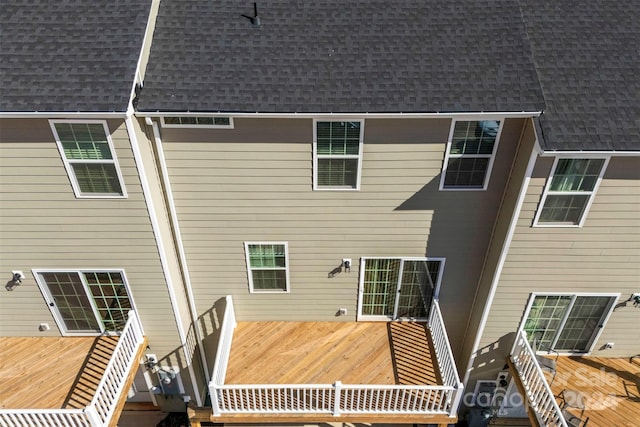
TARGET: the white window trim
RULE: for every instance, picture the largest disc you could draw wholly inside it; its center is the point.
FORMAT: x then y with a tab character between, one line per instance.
250	270
196	126
436	291
573	296
591	193
491	156
44	289
70	172
316	187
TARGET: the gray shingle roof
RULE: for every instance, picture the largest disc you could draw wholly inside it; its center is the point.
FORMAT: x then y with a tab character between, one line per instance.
341	56
588	59
69	55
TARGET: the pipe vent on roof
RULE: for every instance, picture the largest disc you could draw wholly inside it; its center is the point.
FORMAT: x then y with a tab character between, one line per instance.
255	20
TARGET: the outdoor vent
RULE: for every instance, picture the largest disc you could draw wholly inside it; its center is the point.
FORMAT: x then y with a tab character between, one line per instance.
255	20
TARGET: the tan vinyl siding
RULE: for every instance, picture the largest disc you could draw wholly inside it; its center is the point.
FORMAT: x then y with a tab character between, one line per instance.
254	183
43	226
603	256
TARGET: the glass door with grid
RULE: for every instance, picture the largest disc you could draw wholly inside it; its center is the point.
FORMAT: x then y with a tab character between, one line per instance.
567	323
86	303
395	288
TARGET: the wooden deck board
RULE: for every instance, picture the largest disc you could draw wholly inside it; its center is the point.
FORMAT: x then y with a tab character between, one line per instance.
51	372
611	387
202	415
324	352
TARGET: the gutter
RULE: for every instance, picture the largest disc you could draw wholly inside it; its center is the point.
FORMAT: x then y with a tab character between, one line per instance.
465	115
588	154
64	115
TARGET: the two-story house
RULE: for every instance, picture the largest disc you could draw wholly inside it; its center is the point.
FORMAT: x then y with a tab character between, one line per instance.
91	283
334	167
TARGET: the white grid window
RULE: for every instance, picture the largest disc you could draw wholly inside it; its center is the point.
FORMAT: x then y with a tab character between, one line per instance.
470	153
393	288
89	157
567	323
86	302
267	266
569	191
337	155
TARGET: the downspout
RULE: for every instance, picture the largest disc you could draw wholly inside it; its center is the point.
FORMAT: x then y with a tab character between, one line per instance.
146	190
502	259
177	235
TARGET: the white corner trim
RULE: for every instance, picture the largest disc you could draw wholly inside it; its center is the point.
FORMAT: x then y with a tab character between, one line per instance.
173	216
146	190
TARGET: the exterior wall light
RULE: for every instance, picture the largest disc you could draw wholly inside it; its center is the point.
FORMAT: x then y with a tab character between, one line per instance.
16	280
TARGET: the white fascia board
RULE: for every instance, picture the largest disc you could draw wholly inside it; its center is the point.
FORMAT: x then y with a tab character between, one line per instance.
589	154
460	116
148	35
64	115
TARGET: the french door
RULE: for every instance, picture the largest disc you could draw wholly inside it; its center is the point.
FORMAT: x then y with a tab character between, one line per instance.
567	323
398	288
86	302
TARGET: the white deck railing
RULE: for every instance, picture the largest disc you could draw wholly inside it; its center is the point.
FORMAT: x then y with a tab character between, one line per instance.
334	399
109	390
539	394
227	327
446	362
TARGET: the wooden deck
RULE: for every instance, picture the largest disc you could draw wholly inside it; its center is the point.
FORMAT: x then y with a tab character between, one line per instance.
52	372
611	388
355	353
325	352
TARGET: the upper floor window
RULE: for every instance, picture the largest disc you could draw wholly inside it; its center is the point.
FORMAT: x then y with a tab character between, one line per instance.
197	121
470	153
337	155
88	155
569	191
267	264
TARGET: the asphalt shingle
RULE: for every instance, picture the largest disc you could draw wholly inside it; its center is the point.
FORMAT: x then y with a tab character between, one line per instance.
341	56
588	59
69	55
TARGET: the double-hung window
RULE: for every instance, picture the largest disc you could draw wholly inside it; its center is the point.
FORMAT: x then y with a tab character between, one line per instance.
268	266
470	153
337	155
569	192
88	155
